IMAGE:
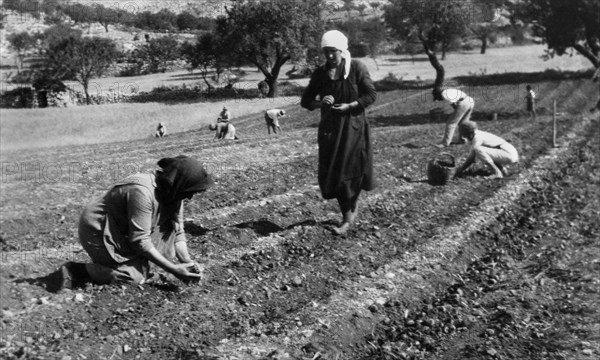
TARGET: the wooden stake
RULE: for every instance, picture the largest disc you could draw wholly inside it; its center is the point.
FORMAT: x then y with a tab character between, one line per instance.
554	125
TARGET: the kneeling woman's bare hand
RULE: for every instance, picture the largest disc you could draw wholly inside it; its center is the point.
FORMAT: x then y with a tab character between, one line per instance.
187	271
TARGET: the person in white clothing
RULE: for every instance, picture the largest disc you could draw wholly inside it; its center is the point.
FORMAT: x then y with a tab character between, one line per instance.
492	150
272	117
224	115
223	131
161	130
463	107
530	100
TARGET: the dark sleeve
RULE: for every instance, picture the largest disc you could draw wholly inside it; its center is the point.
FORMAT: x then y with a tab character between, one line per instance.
366	89
311	91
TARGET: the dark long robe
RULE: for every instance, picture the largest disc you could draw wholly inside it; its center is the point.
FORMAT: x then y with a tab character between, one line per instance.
345	152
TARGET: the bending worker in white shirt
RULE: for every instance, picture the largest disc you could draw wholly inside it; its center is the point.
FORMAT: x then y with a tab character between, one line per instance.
272	117
463	107
490	149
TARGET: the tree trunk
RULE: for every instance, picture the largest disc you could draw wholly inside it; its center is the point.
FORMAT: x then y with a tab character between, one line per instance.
20	59
272	87
588	54
204	73
85	84
439	73
375	61
272	77
445	45
483	44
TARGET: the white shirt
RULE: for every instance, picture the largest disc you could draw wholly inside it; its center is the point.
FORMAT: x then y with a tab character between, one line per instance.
484	138
453	95
273	113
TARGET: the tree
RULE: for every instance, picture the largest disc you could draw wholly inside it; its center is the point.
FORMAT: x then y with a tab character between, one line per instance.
78	13
162	20
185	20
268	34
206	54
58	33
370	32
80	59
106	16
566	24
158	53
483	32
21	42
432	23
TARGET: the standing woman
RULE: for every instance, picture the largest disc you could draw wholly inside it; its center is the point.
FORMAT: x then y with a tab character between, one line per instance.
342	88
139	219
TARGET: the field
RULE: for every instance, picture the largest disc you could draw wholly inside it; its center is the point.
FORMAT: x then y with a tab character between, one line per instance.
477	269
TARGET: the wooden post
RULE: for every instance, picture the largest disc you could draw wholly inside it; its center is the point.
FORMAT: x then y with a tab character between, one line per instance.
554	125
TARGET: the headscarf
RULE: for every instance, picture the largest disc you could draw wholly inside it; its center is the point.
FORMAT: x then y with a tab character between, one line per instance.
453	95
179	175
336	39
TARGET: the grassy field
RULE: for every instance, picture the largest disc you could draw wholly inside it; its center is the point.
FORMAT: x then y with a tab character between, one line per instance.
37	128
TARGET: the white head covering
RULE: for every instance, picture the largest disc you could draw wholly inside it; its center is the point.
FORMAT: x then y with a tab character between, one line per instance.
453	95
336	39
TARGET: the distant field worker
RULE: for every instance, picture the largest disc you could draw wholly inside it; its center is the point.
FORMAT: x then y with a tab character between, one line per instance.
161	130
224	115
272	117
223	131
342	89
139	219
530	100
490	149
463	107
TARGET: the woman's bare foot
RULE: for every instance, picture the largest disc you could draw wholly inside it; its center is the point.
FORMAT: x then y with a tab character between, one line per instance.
342	229
349	217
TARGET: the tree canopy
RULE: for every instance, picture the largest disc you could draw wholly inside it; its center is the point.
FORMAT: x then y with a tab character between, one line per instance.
566	24
80	59
432	23
21	42
268	34
158	53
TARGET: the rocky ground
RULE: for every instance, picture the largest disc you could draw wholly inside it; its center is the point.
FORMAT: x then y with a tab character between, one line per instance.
479	268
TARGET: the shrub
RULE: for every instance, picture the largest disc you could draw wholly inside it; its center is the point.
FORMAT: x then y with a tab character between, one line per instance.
21	97
359	50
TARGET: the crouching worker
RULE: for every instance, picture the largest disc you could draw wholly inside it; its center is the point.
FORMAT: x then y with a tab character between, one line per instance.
492	150
139	219
161	130
224	131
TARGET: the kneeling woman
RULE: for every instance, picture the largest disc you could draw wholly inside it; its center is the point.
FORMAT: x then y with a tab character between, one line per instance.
492	150
139	219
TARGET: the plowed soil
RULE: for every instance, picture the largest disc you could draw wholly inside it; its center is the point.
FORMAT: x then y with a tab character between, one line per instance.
479	268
